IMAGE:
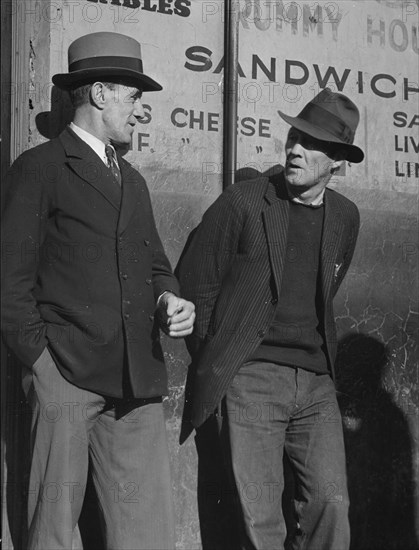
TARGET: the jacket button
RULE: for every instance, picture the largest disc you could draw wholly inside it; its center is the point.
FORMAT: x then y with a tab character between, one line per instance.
274	301
124	276
261	333
146	242
126	315
148	281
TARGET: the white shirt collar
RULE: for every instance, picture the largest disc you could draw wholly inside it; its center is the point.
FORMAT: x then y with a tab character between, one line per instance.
318	201
95	143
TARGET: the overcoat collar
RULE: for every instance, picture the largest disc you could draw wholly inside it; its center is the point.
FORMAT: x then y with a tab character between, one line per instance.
276	216
89	167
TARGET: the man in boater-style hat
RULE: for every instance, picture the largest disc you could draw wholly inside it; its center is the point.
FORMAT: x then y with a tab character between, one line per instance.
84	276
262	269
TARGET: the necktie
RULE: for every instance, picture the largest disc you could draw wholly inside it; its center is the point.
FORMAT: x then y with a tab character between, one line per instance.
112	164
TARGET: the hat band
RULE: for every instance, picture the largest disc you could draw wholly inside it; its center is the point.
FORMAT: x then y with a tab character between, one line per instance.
326	120
107	62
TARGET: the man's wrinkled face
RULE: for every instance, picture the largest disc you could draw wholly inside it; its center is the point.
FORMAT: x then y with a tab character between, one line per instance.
122	109
308	162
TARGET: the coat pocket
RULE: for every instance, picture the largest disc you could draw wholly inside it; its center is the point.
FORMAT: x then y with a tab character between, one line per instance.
52	313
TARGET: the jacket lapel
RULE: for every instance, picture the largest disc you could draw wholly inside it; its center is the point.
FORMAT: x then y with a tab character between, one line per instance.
86	164
331	238
275	218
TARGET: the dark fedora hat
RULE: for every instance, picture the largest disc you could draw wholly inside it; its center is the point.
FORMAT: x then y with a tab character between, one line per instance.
104	54
330	117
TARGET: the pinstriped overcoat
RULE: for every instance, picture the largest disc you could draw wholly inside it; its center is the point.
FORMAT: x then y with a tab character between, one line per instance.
232	271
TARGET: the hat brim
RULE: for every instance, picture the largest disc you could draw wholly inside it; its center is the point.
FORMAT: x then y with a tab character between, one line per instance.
353	153
67	81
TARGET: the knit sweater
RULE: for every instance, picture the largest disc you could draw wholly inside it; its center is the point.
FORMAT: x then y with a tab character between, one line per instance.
295	337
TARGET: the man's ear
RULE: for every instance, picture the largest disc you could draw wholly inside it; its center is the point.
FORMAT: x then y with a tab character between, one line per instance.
97	95
335	166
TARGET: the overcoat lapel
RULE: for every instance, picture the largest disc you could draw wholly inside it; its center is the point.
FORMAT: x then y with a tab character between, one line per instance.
129	193
331	238
275	218
86	164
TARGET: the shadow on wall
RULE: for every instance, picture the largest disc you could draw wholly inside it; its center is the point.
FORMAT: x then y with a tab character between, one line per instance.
378	447
16	436
50	124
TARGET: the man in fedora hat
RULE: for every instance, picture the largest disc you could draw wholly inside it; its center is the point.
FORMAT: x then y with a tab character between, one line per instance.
84	274
262	269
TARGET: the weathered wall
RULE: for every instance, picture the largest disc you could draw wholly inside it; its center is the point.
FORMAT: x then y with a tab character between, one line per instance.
288	51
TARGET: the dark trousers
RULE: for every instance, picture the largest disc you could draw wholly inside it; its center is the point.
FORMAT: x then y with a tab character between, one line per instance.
271	409
127	448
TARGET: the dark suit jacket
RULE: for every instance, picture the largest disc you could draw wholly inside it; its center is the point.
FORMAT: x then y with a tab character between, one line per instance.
82	269
232	271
